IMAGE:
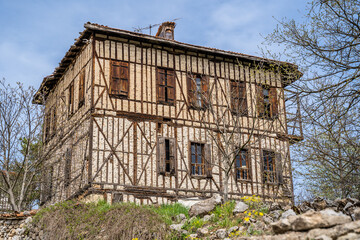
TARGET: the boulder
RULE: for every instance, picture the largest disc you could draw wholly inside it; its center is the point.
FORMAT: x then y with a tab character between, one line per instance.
207	218
177	227
204	207
189	202
180	217
334	232
275	206
201	232
221	233
288	213
233	229
310	220
240	207
356	214
350	236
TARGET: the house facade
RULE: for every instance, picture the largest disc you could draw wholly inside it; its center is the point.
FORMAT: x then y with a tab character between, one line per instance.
132	117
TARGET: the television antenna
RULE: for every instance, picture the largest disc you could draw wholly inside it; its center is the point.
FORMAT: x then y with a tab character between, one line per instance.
140	30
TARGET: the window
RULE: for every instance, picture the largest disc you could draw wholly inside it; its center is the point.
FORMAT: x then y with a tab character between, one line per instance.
198	91
242	165
238	98
200	160
269	166
82	88
67	170
119	74
165	86
267	102
166	155
71	98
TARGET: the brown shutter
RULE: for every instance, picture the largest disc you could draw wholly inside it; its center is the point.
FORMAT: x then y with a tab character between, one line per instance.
160	79
172	153
279	170
208	163
171	86
191	85
81	88
243	99
124	78
161	155
67	169
260	101
205	91
273	102
115	77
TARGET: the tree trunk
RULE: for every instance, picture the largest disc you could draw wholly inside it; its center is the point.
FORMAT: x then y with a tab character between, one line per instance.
226	187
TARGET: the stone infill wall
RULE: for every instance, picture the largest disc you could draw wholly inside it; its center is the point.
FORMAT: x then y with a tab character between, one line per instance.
18	227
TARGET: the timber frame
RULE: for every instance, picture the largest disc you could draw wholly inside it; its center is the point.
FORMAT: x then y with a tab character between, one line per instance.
107	146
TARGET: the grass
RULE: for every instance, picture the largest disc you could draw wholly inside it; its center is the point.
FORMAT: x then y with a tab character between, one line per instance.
169	211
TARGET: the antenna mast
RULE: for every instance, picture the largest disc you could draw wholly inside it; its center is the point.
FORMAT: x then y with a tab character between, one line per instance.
140	30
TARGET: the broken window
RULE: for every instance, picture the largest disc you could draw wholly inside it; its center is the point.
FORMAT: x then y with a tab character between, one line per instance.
119	84
71	98
166	155
198	91
200	159
267	101
238	98
242	165
82	88
272	167
165	86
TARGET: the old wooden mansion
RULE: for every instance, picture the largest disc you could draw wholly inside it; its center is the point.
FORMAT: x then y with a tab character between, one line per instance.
132	117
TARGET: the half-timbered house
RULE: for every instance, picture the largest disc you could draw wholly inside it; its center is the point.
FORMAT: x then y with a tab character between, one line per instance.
125	112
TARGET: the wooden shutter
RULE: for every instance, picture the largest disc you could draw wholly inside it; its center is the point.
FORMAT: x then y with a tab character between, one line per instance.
273	102
67	170
205	91
191	86
260	101
208	162
124	78
161	155
172	153
160	78
242	98
234	93
279	170
171	86
81	88
71	98
119	84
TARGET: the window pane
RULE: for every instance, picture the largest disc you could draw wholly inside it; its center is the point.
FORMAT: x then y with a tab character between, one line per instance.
193	169
199	170
193	159
192	148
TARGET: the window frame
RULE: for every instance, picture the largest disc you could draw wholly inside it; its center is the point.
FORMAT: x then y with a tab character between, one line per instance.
169	156
206	157
272	173
124	68
166	99
267	105
240	168
71	100
238	98
198	93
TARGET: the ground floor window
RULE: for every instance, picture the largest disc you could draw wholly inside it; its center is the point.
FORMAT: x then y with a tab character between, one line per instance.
242	165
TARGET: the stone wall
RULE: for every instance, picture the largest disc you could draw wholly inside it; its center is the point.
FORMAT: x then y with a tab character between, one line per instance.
18	227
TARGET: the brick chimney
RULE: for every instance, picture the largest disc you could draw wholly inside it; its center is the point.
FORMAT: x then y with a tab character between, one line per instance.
166	30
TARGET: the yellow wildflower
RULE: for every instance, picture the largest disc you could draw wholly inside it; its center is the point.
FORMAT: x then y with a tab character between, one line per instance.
261	214
246	219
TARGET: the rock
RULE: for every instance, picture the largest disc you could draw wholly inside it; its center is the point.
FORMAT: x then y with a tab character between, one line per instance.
240	207
334	232
347	206
176	227
201	232
205	206
207	218
323	237
310	220
275	214
267	219
221	233
16	237
189	202
288	213
275	206
233	229
319	204
356	214
350	236
180	217
193	236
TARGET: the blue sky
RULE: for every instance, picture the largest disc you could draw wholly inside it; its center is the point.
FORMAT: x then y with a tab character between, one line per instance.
35	34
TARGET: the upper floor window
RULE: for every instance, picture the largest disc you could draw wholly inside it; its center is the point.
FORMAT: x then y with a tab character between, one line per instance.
238	97
166	150
267	101
119	78
198	91
242	165
165	81
82	88
200	159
